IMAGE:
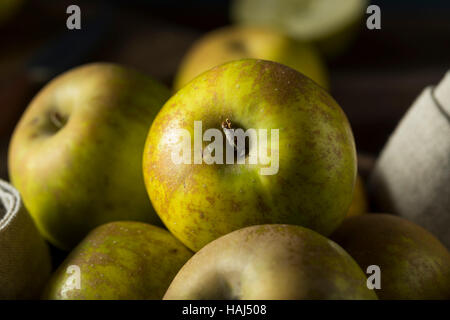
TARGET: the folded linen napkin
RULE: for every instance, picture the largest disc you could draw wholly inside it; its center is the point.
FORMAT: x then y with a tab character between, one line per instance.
411	177
24	256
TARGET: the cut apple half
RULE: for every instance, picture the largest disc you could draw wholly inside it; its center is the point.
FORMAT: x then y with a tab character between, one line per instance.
307	20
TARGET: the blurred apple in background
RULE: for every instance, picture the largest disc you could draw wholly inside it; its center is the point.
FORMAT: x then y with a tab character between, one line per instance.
76	153
238	42
331	24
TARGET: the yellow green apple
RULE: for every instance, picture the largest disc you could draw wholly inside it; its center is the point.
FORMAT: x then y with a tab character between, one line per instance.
239	42
119	260
76	153
275	262
413	263
307	180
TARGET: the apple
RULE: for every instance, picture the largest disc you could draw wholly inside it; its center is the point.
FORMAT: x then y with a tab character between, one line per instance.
119	260
234	43
330	24
413	263
273	262
308	179
359	203
76	153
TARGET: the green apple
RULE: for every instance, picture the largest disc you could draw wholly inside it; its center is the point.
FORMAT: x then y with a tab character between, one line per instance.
413	263
307	181
273	262
330	24
76	153
119	260
233	43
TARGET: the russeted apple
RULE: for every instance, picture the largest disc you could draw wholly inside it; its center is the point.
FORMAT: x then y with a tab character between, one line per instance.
119	260
413	264
304	173
76	154
270	262
239	42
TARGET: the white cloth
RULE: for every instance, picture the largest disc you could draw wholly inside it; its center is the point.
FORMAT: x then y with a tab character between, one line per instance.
411	178
24	256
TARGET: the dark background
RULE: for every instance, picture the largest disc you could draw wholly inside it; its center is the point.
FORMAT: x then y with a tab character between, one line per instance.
375	81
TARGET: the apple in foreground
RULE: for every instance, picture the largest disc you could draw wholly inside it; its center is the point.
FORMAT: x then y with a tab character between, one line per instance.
308	179
234	43
119	260
76	153
270	262
412	262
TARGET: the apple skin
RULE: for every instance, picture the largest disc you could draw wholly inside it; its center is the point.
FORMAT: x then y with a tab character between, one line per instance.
413	263
76	153
279	262
317	161
234	43
121	260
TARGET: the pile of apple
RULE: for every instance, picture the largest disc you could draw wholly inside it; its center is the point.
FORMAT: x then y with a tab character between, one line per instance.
91	157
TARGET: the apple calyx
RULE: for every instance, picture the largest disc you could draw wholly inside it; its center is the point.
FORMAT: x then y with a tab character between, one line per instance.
57	120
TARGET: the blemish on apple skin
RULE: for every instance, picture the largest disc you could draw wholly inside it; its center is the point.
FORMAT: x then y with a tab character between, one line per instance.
211	200
235	206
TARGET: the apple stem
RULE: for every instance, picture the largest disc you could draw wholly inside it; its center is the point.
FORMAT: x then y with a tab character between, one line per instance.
230	137
57	120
